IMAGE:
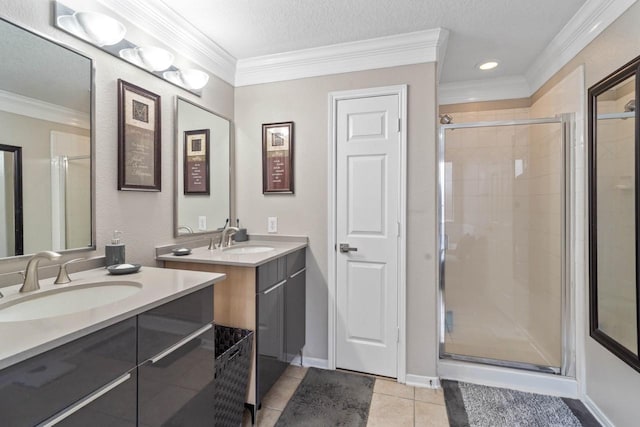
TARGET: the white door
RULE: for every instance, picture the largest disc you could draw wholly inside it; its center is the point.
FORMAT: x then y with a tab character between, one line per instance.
367	214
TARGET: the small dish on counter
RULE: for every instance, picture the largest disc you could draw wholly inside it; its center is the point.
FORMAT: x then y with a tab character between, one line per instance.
181	251
123	268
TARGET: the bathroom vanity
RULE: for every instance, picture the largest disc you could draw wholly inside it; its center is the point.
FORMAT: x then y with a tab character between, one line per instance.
146	359
265	291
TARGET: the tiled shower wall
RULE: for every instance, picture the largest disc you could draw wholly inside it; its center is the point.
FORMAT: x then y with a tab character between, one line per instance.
503	273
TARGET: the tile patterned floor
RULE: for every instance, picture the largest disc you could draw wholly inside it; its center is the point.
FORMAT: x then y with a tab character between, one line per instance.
392	404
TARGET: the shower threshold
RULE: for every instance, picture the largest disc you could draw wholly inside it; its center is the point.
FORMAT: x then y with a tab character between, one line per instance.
502	363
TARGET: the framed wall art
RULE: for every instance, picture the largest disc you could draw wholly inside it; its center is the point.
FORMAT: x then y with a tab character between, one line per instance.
277	158
138	139
196	162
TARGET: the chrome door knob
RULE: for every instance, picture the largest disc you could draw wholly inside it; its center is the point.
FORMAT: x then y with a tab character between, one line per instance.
345	248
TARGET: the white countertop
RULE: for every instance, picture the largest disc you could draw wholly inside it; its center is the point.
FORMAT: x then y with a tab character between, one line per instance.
23	339
202	255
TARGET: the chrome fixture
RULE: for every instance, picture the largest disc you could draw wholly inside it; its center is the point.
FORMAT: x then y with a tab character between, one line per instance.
213	244
107	34
31	281
185	227
63	276
630	106
227	234
445	119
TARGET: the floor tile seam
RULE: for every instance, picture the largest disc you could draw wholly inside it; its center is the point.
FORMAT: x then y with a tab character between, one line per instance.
393	395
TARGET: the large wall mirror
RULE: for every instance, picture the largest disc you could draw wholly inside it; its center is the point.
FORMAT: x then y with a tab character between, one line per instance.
45	118
614	154
203	150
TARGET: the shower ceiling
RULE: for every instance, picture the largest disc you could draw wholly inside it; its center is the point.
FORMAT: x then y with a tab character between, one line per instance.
513	31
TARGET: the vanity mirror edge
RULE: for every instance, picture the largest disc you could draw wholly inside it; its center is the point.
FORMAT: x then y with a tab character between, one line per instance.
629	70
178	144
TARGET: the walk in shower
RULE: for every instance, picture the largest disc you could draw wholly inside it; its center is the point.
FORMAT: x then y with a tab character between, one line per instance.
503	287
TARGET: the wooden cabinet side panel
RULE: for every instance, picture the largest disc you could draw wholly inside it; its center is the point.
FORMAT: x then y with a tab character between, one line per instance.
234	303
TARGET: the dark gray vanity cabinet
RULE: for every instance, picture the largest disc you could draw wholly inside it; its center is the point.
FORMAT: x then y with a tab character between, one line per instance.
154	369
176	362
49	386
295	296
281	296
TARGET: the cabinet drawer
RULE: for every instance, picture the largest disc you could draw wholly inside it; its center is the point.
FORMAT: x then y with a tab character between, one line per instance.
34	390
295	262
177	388
117	407
271	273
164	326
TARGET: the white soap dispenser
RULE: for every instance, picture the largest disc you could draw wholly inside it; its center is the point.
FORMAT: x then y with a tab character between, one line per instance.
114	253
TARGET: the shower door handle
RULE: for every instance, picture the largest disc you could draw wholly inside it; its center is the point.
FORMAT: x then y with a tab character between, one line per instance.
345	248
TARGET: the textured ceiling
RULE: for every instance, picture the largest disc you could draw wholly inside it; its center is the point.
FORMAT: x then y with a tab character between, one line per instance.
512	31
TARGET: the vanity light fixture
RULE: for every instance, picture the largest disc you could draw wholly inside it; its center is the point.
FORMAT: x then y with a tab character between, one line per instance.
149	57
488	65
94	27
189	78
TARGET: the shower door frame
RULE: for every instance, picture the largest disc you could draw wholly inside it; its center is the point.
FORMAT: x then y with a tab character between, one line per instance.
567	368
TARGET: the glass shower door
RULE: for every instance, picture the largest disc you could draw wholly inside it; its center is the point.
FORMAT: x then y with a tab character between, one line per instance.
502	225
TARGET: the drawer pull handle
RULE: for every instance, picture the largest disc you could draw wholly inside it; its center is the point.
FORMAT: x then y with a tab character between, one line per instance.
274	287
299	272
84	402
180	343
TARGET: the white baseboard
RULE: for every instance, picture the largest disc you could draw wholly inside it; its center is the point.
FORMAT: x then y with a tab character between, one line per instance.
311	362
422	381
596	412
554	385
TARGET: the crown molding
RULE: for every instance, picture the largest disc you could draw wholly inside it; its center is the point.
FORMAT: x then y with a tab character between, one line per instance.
483	90
168	27
34	108
590	20
383	52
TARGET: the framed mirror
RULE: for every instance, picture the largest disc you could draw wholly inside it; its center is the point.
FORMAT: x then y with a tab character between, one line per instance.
614	178
11	240
203	155
46	104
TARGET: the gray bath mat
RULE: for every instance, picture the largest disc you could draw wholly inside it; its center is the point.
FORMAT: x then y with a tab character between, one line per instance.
329	398
471	405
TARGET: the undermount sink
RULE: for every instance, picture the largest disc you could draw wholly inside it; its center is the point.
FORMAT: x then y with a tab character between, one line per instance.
72	299
249	249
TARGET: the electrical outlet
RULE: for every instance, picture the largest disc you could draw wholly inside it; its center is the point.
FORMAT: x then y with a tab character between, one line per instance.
202	223
272	224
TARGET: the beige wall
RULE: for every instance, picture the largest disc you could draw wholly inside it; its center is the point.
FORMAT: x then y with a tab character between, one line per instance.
305	102
611	384
146	219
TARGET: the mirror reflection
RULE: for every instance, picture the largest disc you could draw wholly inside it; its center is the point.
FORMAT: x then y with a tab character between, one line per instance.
615	213
45	110
202	169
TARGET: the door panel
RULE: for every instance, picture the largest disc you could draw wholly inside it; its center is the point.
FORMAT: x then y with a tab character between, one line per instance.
367	212
367	198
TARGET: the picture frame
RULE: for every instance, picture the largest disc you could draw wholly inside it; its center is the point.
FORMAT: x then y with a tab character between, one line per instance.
196	155
139	151
277	158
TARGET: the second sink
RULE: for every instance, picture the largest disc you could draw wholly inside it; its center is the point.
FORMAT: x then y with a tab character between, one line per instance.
249	249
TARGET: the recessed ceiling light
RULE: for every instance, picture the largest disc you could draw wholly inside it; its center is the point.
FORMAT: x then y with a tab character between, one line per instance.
489	65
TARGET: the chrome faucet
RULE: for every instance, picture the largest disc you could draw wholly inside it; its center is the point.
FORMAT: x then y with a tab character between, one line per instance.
63	275
215	243
31	281
227	233
187	228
